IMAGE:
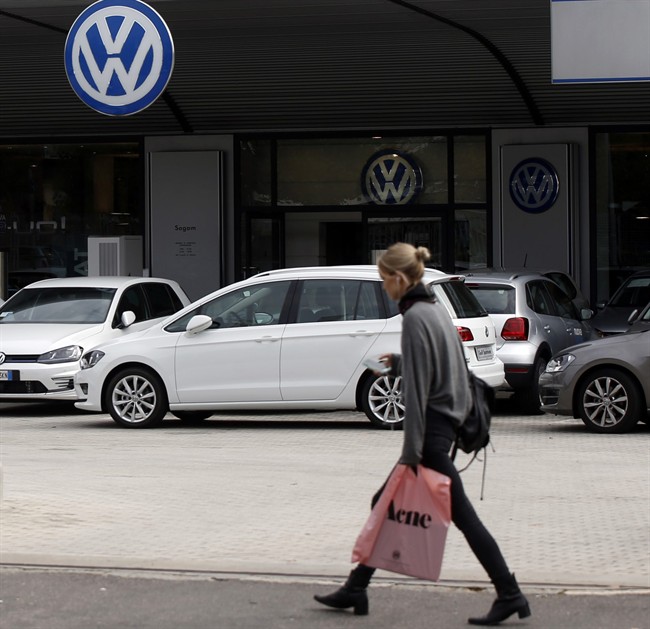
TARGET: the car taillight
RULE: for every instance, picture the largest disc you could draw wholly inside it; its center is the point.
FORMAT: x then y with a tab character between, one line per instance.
465	333
515	329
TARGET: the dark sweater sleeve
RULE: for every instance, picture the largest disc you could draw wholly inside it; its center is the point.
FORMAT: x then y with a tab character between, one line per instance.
434	375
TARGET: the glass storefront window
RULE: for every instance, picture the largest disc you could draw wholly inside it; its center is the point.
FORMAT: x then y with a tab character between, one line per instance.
622	208
255	156
420	232
53	196
328	172
343	200
469	169
471	239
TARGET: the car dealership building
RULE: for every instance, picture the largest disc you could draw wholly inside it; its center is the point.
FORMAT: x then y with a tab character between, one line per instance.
312	132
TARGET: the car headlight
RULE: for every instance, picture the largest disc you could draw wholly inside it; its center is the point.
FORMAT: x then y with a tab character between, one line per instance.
559	363
91	359
68	354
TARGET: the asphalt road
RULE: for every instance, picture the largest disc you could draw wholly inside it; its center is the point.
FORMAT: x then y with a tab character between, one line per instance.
238	522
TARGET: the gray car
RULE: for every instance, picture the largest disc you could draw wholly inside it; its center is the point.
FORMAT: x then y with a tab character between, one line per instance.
606	383
632	295
534	319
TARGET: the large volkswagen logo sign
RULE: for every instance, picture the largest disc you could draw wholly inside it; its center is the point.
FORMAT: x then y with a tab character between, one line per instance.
391	178
534	185
119	56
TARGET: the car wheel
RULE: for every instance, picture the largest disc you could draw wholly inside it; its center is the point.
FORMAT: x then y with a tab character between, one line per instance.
608	400
381	401
136	398
192	417
529	397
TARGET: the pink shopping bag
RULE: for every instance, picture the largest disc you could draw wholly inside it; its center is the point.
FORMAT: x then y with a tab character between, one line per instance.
407	528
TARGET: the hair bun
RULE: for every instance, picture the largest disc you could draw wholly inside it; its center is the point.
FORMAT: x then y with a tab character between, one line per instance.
422	254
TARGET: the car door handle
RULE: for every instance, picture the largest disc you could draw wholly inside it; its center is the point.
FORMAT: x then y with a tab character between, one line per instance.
362	333
267	339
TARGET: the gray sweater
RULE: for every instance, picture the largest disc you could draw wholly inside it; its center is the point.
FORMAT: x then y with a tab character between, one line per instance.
434	373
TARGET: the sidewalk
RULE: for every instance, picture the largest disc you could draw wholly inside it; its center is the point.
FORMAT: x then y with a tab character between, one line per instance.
287	495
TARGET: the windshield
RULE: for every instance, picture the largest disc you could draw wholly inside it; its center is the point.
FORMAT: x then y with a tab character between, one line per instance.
635	294
58	305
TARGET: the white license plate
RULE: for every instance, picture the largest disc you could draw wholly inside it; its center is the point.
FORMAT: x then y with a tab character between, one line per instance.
6	374
484	352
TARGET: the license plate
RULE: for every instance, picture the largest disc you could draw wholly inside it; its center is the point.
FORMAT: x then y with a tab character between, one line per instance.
485	352
7	374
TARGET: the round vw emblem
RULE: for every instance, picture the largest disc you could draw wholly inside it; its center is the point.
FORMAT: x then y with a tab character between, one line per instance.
391	178
119	56
534	185
2	357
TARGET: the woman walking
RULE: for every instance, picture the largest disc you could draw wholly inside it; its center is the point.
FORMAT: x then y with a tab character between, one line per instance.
437	398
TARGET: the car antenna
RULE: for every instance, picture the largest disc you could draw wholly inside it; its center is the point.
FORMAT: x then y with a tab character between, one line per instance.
525	259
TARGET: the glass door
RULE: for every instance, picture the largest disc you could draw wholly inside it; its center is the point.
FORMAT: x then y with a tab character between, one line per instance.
262	243
425	231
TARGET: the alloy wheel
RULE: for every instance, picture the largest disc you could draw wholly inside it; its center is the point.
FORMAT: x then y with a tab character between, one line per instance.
385	401
134	399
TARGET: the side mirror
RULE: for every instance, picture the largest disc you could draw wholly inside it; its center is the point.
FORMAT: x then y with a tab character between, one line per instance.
586	314
198	323
263	318
127	318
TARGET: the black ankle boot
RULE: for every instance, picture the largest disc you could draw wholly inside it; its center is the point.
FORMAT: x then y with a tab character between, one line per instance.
352	594
509	601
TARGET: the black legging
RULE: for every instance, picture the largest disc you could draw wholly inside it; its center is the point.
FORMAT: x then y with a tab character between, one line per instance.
437	444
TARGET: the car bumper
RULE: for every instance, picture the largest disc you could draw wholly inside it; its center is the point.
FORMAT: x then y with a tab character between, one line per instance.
491	373
88	394
555	395
518	359
35	381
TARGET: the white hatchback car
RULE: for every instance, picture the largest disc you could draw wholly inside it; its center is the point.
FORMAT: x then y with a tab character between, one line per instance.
46	326
285	339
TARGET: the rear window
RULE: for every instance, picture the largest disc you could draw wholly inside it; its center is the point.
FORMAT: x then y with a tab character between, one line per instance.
463	300
495	298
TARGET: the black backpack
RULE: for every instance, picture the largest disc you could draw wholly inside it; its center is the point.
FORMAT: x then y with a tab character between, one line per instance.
473	435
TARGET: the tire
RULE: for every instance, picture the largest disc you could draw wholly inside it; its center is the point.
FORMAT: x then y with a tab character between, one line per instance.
609	401
381	401
528	398
136	398
192	417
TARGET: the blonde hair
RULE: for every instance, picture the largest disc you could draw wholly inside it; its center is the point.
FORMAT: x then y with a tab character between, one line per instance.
404	258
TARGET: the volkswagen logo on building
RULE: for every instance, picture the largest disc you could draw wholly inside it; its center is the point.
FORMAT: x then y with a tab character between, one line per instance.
534	185
391	178
3	357
119	56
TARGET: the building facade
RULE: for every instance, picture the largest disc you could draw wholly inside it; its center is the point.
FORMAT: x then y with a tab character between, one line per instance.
311	133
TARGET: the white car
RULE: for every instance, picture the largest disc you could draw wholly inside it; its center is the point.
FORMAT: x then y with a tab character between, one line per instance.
46	327
286	339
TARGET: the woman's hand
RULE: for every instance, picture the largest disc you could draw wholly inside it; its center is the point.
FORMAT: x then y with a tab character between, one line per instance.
387	359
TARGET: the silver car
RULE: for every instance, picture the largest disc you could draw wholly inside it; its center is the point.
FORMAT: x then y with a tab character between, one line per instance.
534	320
606	383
